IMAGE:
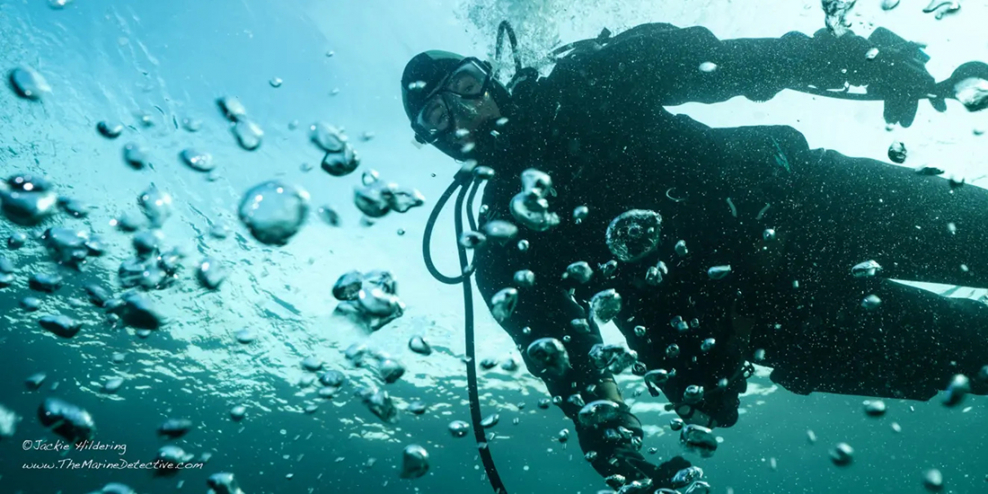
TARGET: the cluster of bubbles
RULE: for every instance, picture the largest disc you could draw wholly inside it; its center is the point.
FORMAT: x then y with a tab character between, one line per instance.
376	197
371	297
530	207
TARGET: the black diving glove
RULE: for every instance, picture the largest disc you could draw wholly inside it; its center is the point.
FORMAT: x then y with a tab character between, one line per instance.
968	84
897	74
615	446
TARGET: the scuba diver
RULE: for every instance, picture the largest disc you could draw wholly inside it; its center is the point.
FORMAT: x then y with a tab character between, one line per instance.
708	248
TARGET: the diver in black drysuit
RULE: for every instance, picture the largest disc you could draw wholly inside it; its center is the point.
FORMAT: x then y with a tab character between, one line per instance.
597	126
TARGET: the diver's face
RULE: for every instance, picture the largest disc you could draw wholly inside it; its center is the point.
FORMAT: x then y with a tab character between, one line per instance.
460	108
469	117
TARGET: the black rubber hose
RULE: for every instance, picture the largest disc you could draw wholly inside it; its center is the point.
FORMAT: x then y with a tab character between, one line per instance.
475	416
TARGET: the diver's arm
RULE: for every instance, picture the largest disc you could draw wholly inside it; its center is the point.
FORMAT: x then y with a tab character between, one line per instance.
917	227
692	65
545	311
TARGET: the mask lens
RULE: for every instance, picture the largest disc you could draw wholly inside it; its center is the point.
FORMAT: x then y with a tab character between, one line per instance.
434	117
468	80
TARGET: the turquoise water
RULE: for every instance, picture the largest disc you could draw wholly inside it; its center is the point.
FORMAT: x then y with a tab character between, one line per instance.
153	65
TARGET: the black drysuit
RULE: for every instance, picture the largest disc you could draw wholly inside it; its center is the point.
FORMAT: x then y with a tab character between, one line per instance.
597	126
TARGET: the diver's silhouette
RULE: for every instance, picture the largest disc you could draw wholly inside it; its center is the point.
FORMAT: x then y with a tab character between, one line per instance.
597	126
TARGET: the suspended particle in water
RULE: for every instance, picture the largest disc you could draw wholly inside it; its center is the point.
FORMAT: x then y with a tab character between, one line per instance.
871	54
708	67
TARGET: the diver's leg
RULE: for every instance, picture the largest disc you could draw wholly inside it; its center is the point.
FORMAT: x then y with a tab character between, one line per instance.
849	210
909	346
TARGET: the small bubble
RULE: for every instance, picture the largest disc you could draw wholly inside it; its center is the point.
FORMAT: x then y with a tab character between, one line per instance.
28	83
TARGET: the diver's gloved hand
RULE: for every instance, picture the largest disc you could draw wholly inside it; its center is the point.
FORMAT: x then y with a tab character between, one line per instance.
898	75
968	84
662	475
616	446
